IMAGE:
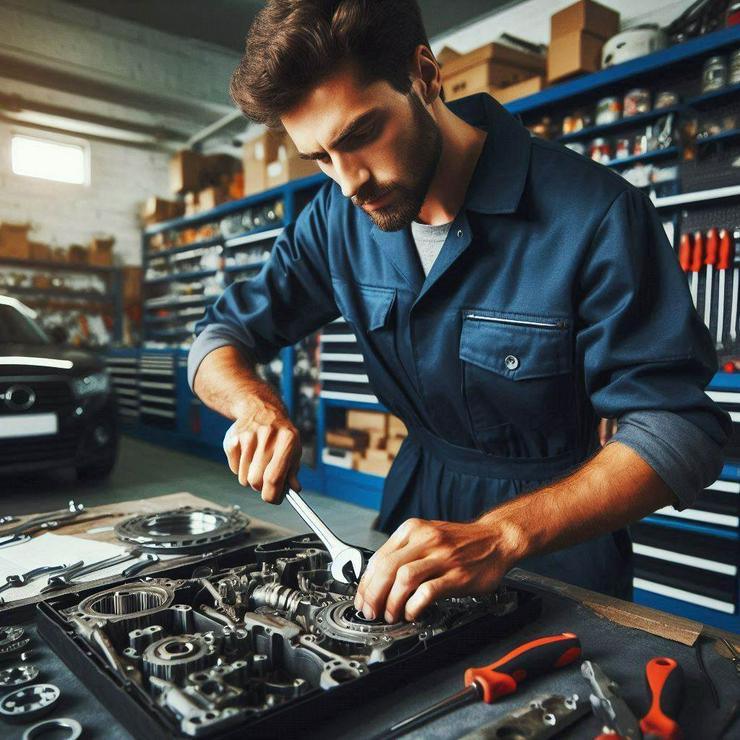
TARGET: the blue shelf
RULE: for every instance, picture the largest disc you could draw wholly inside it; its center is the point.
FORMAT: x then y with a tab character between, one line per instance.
278	193
725	382
180	277
253	235
669	151
336	403
244	268
628	72
201	300
723	136
729	622
684	526
59	293
623	123
55	266
203	244
712	97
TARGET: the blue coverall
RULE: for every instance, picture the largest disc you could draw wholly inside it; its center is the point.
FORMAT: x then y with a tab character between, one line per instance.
556	300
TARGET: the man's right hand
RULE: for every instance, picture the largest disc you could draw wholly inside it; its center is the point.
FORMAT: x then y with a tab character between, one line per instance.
264	452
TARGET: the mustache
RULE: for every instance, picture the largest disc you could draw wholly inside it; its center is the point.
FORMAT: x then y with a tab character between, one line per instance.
364	197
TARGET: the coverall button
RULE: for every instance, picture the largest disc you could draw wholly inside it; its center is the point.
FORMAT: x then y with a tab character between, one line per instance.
459	232
512	363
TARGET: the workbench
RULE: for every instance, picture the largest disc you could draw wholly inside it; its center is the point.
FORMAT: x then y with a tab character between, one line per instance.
621	637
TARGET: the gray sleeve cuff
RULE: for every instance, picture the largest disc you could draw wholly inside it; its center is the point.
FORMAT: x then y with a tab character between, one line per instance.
212	337
682	454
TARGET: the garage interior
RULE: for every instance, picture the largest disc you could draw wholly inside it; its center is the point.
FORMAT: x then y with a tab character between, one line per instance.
133	192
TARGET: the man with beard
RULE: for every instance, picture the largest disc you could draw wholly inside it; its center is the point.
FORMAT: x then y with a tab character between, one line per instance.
506	293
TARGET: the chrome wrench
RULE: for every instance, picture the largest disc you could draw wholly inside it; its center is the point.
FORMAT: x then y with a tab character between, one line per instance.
70	577
341	553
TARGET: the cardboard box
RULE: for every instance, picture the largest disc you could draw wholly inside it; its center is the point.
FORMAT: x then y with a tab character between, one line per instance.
218	169
256	154
14	241
346	439
585	15
520	90
367	420
396	428
186	169
39	252
446	55
373	467
212	197
572	54
131	278
191	204
160	209
77	254
289	166
394	445
377	439
492	65
376	455
101	251
59	254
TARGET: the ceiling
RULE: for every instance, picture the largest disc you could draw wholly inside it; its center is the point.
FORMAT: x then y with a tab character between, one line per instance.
225	22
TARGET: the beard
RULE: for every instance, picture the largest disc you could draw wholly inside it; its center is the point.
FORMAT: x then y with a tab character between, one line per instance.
421	160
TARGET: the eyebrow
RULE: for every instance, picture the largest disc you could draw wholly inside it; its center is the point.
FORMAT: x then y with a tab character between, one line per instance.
347	132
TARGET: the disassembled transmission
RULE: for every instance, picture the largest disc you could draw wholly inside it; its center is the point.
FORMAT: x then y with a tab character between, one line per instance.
184	530
234	645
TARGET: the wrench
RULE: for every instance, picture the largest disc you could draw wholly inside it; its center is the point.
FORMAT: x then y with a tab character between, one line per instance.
341	553
70	577
16	581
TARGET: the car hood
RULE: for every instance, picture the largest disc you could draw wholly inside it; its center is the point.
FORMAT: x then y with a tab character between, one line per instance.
36	359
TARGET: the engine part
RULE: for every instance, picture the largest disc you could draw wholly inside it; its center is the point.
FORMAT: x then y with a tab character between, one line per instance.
542	718
23	705
12	639
253	631
18	675
56	726
183	530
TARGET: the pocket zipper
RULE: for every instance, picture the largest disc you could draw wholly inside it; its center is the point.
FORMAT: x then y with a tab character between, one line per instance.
539	324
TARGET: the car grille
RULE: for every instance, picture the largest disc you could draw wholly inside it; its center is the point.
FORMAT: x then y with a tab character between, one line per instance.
51	395
49	448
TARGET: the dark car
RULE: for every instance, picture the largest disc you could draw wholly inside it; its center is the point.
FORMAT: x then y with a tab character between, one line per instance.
57	407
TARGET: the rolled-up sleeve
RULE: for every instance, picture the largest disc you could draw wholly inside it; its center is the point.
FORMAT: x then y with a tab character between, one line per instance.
642	345
288	299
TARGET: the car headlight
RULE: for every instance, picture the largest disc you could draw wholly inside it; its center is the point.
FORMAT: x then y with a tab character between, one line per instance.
91	385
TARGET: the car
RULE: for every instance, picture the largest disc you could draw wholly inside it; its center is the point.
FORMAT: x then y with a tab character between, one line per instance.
57	405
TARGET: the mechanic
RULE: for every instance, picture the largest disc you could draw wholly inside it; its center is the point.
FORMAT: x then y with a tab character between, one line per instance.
506	293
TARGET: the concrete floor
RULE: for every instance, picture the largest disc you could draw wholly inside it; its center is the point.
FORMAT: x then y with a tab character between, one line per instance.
144	470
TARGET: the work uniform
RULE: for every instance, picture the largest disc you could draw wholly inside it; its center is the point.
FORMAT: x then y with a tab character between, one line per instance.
556	300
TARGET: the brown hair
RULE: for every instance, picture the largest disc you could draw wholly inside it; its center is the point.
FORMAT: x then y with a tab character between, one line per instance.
293	45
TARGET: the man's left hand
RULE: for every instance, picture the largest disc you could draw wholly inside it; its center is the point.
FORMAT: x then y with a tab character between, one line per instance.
424	561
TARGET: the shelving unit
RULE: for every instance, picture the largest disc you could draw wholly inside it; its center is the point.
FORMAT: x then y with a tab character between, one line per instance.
702	586
40	283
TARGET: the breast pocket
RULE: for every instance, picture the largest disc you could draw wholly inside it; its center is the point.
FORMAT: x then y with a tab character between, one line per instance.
517	382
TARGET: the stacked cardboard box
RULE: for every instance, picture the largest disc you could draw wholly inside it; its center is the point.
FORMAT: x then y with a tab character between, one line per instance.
488	69
156	210
577	35
101	251
14	242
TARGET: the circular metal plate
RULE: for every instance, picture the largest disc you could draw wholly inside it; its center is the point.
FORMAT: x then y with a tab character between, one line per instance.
18	675
23	705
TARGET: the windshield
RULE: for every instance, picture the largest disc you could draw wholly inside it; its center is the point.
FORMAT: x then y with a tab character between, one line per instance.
15	327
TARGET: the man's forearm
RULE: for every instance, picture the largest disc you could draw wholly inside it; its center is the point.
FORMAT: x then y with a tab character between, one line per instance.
228	383
614	488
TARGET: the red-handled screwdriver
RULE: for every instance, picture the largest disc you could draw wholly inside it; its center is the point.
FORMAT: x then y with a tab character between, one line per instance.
684	253
723	264
664	678
710	259
501	677
697	257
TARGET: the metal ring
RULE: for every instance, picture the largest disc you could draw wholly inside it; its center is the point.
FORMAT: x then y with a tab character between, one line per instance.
64	723
29	702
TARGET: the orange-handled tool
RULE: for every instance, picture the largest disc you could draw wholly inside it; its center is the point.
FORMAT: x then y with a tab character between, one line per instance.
684	252
664	678
501	677
723	264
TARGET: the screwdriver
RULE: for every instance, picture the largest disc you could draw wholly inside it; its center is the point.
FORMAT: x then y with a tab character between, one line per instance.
684	253
735	270
723	264
501	677
710	259
697	253
664	678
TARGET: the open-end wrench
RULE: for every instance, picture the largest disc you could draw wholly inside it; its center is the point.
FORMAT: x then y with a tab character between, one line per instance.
70	577
341	553
22	579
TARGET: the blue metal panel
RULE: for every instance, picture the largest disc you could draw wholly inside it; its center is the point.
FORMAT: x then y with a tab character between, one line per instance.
353	486
623	73
730	622
287	389
725	382
339	404
723	532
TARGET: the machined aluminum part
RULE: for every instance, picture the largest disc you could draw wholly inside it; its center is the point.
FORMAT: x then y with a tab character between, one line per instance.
24	704
183	530
12	639
18	675
173	658
71	728
135	601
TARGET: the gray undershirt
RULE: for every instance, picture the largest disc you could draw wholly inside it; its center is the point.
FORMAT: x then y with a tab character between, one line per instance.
429	241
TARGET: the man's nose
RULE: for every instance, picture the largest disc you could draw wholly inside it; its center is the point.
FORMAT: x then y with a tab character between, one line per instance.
352	176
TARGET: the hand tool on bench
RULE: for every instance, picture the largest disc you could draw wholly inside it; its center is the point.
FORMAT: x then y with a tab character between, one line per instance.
22	579
684	257
347	562
501	677
735	286
697	256
50	520
664	679
71	577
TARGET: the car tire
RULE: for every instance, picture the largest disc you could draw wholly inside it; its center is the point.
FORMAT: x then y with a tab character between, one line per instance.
97	470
